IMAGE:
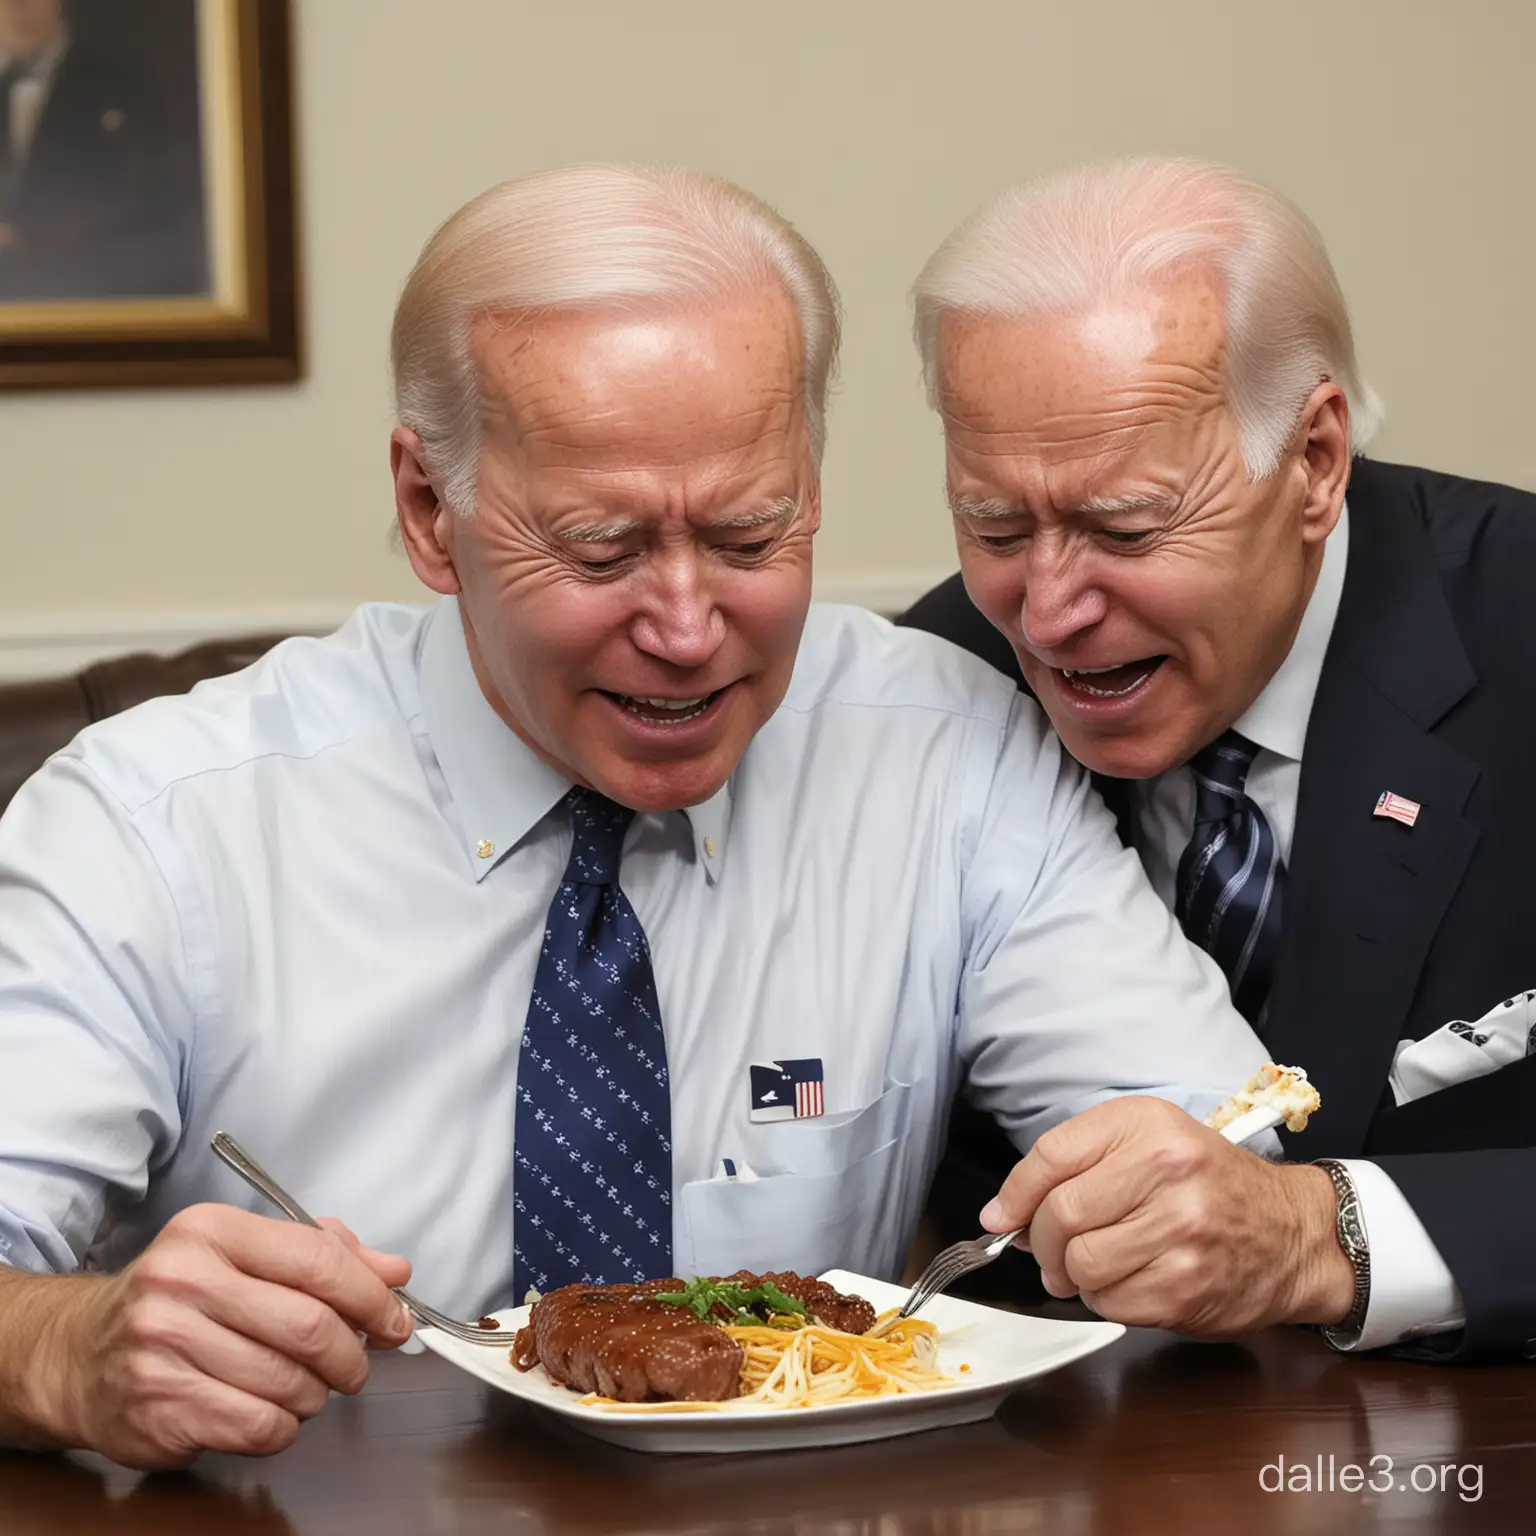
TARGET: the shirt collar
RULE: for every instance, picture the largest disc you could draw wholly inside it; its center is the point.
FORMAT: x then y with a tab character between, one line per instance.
501	786
1277	719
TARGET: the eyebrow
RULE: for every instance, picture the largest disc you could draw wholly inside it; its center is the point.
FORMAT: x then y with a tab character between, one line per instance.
1132	501
984	507
597	533
779	510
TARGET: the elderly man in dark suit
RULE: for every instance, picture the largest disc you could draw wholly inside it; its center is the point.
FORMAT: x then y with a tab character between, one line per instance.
96	198
1313	713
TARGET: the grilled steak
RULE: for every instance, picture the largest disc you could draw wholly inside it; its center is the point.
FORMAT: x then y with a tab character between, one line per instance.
615	1340
826	1304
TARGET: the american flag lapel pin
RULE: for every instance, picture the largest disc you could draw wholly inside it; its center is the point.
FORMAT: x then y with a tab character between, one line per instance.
787	1090
1397	807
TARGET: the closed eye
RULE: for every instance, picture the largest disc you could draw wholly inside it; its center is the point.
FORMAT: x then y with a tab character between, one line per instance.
1128	535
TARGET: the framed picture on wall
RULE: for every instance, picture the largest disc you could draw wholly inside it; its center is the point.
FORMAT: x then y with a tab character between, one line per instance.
146	193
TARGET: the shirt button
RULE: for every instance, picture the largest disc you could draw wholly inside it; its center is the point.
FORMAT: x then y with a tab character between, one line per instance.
485	848
709	847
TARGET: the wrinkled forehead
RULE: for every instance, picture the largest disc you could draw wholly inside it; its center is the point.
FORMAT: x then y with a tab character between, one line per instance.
1133	361
674	379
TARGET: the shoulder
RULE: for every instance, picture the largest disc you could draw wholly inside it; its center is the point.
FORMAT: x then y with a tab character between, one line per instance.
947	610
299	701
852	658
908	737
1469	522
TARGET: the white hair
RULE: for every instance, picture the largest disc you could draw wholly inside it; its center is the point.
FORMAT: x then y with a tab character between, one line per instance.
584	237
1073	240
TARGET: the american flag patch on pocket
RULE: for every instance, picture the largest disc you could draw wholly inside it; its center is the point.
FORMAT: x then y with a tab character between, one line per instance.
787	1090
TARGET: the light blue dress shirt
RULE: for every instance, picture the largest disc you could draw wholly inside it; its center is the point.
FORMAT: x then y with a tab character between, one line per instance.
304	904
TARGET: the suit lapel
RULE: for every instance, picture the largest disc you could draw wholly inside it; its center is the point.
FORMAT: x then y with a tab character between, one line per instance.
1366	895
1364	900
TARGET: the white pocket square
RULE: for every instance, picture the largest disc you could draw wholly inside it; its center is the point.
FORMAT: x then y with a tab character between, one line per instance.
1461	1050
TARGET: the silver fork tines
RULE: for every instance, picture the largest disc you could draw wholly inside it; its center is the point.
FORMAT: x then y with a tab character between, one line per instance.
953	1262
260	1180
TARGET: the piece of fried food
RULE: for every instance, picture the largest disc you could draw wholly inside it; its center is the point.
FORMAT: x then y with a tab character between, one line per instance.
1283	1089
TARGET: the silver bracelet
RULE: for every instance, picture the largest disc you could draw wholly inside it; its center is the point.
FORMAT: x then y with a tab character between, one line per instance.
1357	1249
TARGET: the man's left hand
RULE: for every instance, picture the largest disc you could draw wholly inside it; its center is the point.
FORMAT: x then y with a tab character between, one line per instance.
1155	1219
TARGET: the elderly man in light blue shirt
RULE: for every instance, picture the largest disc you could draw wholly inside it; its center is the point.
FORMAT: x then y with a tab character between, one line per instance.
361	905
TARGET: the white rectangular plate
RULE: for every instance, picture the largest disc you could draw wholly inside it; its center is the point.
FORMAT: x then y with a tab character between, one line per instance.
1002	1349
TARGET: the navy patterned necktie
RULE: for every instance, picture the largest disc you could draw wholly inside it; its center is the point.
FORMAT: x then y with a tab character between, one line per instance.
592	1149
1231	879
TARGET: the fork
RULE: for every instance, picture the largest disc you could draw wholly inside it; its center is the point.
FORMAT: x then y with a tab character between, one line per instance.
951	1263
959	1259
259	1179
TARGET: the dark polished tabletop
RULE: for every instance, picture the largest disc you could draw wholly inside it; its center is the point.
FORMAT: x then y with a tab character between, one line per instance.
1152	1434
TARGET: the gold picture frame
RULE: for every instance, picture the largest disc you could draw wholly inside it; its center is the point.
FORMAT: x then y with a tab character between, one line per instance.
237	321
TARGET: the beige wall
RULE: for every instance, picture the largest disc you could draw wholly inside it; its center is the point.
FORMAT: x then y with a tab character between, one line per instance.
1406	127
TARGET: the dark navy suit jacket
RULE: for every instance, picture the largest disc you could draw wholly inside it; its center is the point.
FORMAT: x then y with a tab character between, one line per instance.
1428	689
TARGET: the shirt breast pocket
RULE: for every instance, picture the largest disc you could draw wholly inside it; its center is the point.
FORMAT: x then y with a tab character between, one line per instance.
833	1196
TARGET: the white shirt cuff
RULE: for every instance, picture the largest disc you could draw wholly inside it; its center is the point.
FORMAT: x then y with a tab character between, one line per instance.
1412	1290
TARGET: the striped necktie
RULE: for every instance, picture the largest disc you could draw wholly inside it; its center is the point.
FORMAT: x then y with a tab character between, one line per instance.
592	1149
1231	879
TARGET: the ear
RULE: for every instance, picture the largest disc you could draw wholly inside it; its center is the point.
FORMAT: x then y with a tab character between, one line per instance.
1324	429
426	521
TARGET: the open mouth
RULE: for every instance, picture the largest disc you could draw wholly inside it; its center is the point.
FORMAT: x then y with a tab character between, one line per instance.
1117	682
663	711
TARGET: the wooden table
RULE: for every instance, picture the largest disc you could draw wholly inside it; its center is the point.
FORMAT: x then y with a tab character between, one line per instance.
1153	1434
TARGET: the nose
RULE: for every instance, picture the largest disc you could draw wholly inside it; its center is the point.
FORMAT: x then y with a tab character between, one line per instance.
680	622
1060	600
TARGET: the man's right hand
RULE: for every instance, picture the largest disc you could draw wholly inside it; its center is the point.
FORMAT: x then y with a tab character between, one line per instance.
225	1334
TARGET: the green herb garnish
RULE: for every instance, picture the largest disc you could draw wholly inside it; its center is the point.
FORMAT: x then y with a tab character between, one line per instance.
702	1296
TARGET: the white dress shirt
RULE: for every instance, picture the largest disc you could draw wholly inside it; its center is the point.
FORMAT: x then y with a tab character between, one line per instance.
304	904
1412	1290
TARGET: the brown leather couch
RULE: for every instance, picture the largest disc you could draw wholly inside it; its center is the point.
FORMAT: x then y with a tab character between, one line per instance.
39	716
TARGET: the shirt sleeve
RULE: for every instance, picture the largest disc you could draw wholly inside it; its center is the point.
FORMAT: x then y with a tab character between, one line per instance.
1078	984
95	1015
1412	1290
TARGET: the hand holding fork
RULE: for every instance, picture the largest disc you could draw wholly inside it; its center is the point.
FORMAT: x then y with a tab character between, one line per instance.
1036	1178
